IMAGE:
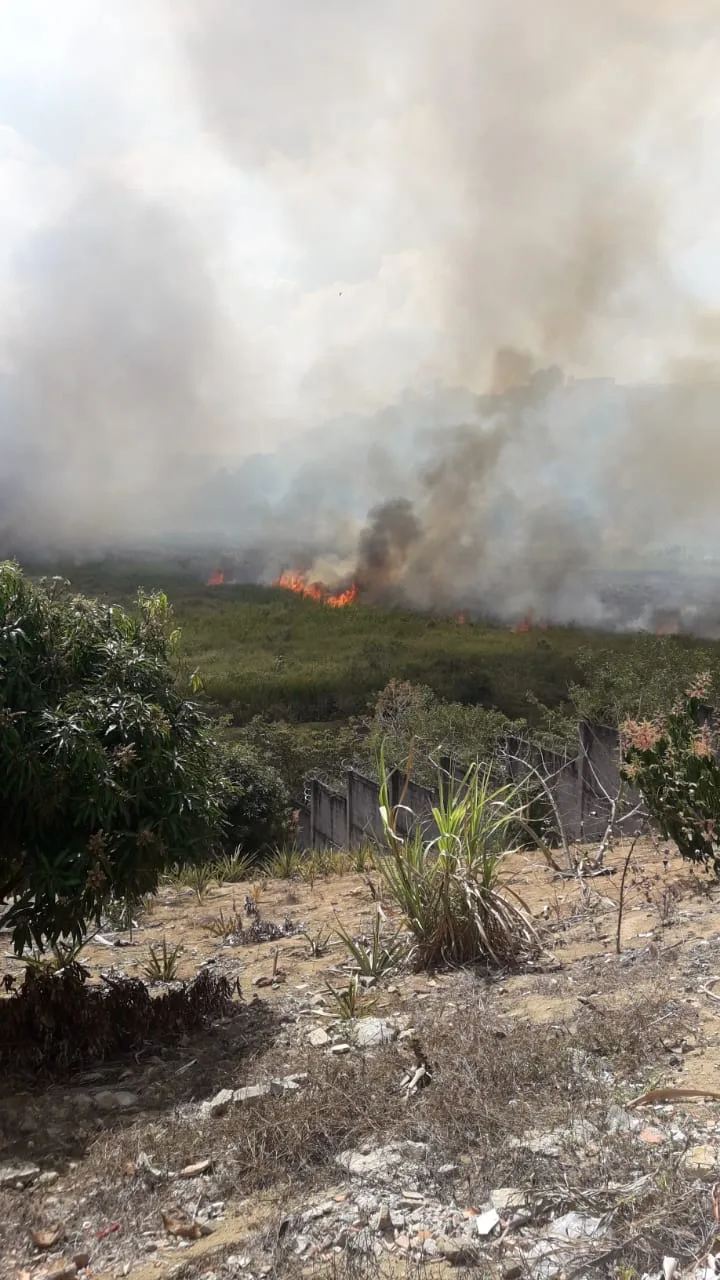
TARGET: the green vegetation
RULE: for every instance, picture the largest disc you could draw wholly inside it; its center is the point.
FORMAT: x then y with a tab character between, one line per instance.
267	652
107	772
304	690
674	763
256	805
449	890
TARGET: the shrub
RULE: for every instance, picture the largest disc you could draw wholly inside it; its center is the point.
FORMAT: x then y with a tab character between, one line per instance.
57	1021
672	762
375	956
256	803
449	889
409	721
107	773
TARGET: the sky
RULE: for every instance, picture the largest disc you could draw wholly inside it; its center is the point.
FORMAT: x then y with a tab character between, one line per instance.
225	221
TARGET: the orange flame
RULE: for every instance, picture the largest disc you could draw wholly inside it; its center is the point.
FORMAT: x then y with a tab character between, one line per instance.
297	582
216	579
529	623
460	619
344	598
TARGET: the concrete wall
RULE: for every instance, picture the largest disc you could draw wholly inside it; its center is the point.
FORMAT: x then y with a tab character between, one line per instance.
583	788
363	814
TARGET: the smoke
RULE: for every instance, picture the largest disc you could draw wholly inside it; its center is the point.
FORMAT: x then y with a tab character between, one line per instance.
476	238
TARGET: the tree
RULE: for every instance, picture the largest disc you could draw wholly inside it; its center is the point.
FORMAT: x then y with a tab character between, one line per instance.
673	761
107	773
256	803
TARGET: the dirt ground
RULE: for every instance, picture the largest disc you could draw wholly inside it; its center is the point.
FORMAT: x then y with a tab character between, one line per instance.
116	1144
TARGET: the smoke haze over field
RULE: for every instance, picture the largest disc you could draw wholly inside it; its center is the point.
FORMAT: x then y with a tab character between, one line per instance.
224	222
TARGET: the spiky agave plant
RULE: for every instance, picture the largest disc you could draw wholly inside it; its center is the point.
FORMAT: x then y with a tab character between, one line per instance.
376	956
451	889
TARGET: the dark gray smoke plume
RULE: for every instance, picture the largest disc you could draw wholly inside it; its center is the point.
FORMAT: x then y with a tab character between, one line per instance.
477	240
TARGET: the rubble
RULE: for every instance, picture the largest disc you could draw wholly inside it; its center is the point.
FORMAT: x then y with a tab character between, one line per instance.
371	1033
115	1100
18	1175
227	1098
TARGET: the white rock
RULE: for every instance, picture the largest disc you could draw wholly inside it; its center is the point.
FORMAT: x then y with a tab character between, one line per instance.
574	1226
485	1223
218	1105
318	1211
251	1092
12	1175
620	1121
371	1033
381	1160
115	1100
507	1198
382	1221
318	1038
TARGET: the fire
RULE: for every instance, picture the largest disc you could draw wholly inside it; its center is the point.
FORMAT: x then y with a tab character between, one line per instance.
216	579
344	598
529	623
291	580
460	619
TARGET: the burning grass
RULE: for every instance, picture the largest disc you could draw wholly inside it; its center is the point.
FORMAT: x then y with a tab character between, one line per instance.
301	585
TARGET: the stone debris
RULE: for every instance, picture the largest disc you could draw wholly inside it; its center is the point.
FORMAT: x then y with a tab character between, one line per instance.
227	1098
18	1176
115	1100
372	1033
573	1226
486	1222
651	1136
379	1162
704	1161
507	1198
318	1038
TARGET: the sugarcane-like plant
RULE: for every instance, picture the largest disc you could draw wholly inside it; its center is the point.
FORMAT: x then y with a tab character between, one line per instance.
451	889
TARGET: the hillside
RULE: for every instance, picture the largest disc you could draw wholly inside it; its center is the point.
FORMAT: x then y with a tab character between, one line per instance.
519	1142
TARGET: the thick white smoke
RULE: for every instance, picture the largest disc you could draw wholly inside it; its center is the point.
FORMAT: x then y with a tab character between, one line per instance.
224	223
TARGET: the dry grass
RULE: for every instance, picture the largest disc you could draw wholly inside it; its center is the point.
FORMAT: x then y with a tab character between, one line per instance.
507	1055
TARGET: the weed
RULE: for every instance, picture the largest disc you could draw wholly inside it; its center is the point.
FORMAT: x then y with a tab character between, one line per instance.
57	1020
335	863
362	860
235	867
263	931
222	926
309	870
255	897
123	914
449	888
319	943
196	876
285	864
351	1001
374	958
62	955
163	961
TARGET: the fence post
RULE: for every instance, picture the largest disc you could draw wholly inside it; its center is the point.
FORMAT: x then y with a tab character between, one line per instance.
313	812
349	806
